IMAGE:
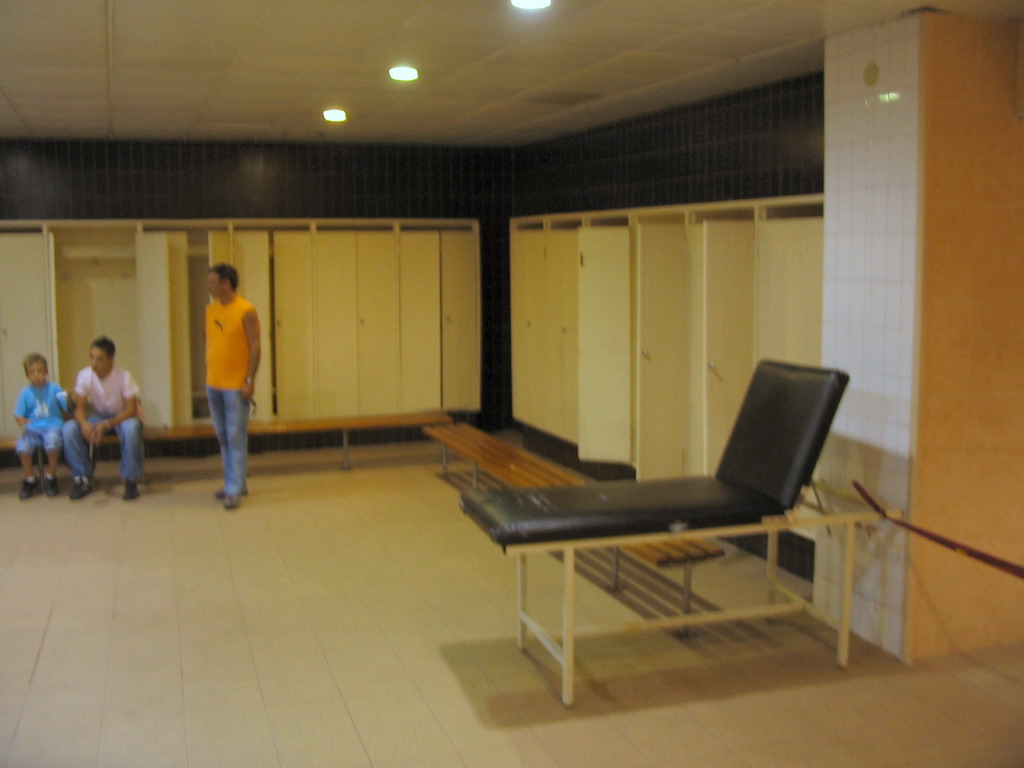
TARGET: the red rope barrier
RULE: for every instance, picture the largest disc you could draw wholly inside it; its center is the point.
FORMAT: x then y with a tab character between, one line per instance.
996	562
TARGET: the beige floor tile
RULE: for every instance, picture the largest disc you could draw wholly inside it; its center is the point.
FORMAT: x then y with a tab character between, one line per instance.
359	619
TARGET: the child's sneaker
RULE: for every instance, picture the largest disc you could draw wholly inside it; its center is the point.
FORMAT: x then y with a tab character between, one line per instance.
28	487
51	486
80	489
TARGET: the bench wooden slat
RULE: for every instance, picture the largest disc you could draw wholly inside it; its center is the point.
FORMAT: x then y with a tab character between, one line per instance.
494	451
342	424
288	426
513	465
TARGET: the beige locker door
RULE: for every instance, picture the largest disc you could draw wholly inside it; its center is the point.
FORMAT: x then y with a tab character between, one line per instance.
96	293
729	344
219	243
419	255
24	315
378	308
334	296
527	299
251	257
294	341
562	256
790	255
662	343
460	326
161	271
605	367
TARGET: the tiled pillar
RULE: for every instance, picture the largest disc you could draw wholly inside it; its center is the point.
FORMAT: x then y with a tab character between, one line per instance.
870	285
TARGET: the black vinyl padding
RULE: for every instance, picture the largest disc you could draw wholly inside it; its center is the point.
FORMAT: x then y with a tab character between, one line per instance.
780	429
616	508
775	443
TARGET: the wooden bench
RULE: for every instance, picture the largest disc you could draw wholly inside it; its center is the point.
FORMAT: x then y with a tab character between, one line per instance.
520	468
513	466
343	424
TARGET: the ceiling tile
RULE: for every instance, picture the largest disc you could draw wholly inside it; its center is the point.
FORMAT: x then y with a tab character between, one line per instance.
489	73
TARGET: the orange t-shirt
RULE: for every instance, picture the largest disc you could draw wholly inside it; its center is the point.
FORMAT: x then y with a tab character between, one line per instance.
227	348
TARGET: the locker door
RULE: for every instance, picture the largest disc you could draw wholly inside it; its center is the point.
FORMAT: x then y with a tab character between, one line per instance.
605	366
420	325
789	289
562	257
293	324
251	250
662	342
24	315
527	298
334	293
378	329
729	342
460	328
164	372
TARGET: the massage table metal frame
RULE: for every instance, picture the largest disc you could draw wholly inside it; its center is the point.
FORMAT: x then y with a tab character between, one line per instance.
775	442
563	650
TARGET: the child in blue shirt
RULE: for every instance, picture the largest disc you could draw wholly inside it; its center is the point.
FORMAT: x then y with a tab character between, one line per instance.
40	412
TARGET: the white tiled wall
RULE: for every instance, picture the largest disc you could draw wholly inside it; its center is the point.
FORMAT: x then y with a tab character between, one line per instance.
871	222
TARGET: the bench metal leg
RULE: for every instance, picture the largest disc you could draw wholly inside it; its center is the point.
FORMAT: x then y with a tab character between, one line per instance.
41	462
687	585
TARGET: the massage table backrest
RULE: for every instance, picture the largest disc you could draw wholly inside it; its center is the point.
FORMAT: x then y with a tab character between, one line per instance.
781	428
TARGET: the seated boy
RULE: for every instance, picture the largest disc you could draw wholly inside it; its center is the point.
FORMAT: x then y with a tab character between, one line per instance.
39	411
106	398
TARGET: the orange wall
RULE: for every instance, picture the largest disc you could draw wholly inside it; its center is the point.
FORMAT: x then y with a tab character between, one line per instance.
969	467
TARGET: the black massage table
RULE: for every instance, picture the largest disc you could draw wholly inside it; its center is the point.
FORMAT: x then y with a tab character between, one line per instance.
774	446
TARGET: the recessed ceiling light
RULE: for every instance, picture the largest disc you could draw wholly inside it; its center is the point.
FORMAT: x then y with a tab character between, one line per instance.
335	115
531	5
403	73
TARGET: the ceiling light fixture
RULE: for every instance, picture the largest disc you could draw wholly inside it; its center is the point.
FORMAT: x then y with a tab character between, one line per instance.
335	115
403	73
531	5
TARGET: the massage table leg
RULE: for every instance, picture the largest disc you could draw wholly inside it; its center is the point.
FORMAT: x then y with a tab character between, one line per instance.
568	621
772	564
843	644
520	601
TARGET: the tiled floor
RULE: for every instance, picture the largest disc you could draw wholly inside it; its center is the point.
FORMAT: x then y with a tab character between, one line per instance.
358	619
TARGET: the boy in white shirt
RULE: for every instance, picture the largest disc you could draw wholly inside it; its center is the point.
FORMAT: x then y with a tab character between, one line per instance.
111	394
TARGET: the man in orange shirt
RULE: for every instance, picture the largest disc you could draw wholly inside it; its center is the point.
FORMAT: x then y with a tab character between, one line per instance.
232	359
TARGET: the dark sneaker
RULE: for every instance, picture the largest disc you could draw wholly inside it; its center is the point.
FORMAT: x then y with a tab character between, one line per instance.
52	489
80	489
131	490
28	487
231	501
221	494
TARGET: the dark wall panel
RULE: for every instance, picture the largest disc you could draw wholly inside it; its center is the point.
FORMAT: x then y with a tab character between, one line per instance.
764	142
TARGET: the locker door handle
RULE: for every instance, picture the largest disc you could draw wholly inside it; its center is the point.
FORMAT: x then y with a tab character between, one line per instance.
645	353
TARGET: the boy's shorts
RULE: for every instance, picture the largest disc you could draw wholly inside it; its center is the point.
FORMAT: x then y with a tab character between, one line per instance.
51	440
